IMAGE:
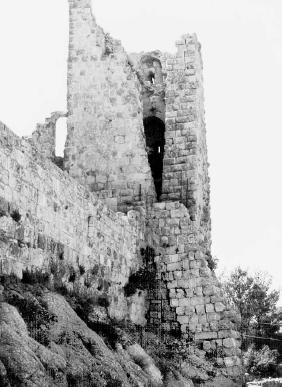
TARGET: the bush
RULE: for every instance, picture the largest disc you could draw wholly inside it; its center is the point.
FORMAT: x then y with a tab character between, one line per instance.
212	261
35	277
261	362
35	313
2	213
81	269
16	215
141	280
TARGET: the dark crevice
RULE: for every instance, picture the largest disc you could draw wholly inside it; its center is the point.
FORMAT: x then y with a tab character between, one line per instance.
155	142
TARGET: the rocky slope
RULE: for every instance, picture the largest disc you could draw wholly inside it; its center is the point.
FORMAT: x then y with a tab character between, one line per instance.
43	342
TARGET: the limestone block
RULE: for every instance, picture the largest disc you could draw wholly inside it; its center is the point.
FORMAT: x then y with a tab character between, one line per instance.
184	302
194	319
180	310
225	324
199	255
224	333
172	284
174	302
232	361
191	255
184	328
197	300
174	266
189	292
213	317
180	293
202	319
209	290
209	308
183	319
214	325
200	309
229	342
198	291
177	274
206	336
219	307
186	264
206	345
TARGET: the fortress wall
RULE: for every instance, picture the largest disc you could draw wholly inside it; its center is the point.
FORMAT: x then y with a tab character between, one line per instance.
64	228
192	299
105	148
185	175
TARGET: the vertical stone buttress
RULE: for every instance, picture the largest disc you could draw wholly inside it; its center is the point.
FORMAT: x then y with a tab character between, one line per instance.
192	300
105	148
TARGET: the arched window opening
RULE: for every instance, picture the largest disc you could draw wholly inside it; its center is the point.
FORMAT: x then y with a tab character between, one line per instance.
155	141
152	70
152	78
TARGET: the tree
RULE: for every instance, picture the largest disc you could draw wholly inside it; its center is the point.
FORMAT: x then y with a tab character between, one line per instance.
256	302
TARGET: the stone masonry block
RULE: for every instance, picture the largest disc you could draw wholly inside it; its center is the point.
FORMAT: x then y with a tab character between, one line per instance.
213	317
229	342
174	302
183	319
206	345
184	302
174	266
219	307
200	309
209	308
206	336
197	300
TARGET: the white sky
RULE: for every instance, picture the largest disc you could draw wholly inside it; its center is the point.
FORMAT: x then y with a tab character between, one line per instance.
242	53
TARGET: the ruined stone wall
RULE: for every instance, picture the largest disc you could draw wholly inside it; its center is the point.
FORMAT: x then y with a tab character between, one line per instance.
105	149
49	221
185	176
191	298
44	137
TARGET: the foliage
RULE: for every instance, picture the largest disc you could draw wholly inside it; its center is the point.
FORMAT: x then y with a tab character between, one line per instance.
35	277
16	215
72	276
81	269
261	362
142	279
27	298
255	301
2	213
212	261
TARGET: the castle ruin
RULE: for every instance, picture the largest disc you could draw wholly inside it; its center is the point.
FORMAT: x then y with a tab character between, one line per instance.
131	191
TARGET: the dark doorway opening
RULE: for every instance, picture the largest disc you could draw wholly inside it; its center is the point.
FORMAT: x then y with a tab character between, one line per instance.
155	141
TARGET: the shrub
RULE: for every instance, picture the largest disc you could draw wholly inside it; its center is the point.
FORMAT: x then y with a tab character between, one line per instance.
16	216
261	362
72	276
81	269
35	277
140	280
2	213
212	261
35	313
103	301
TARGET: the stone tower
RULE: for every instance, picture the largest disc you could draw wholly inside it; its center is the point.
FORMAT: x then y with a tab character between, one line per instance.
137	137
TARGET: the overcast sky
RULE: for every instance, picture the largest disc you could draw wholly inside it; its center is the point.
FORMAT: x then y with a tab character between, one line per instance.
242	53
